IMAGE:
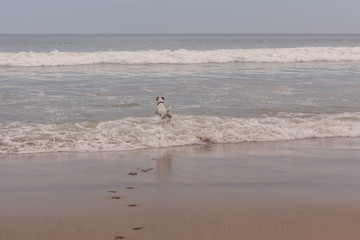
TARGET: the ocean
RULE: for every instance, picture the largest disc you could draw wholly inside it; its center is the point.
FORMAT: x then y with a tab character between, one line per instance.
96	93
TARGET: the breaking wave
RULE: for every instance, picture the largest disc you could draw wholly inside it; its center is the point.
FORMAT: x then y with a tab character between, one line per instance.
138	133
181	56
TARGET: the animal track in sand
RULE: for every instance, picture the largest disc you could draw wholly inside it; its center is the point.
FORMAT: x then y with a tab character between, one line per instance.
133	205
112	191
116	197
130	188
147	170
142	170
138	228
119	237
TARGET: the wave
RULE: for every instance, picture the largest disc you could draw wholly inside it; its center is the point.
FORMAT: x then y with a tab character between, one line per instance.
182	56
138	133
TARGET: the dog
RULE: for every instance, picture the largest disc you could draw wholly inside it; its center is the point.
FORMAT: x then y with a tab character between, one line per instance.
163	113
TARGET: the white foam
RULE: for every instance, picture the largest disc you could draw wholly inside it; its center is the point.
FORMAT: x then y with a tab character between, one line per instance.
137	133
182	56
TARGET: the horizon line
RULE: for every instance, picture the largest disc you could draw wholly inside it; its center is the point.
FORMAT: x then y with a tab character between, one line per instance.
210	33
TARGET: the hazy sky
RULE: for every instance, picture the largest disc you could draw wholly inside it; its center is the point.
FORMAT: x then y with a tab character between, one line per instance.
179	16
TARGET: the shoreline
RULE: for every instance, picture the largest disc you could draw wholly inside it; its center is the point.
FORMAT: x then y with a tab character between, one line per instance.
303	189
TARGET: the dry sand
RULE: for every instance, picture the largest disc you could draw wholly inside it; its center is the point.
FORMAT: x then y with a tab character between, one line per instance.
306	189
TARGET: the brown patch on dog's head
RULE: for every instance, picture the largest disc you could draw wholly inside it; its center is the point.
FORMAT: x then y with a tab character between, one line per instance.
159	99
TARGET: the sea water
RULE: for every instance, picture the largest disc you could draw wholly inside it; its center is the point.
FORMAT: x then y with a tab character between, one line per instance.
91	93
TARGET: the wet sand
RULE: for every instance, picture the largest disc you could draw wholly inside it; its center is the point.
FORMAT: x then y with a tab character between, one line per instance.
306	189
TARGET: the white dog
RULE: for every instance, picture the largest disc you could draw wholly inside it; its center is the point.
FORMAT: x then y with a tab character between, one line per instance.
163	113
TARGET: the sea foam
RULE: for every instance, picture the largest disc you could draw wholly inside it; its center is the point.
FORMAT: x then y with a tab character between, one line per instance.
138	133
181	56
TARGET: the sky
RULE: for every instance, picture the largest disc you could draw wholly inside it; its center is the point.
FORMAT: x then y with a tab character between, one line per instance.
179	16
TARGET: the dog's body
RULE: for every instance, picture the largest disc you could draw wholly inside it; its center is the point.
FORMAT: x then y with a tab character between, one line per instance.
163	113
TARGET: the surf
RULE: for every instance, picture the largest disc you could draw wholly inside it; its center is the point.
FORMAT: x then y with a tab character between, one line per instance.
180	56
139	133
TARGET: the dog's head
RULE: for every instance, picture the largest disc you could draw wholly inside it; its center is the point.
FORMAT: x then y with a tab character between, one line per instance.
160	99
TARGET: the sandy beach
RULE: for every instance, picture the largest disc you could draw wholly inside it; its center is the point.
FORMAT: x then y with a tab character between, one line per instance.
306	189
